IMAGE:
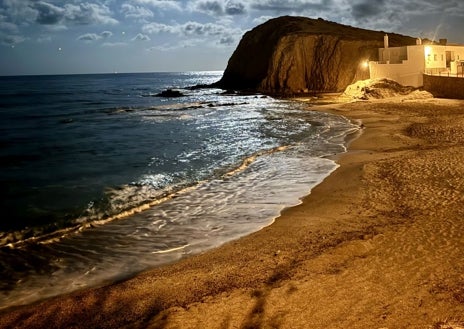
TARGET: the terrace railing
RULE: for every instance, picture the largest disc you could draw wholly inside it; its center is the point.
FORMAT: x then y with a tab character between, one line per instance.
444	73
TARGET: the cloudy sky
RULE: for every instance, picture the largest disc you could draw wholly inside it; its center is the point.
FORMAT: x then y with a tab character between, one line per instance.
101	36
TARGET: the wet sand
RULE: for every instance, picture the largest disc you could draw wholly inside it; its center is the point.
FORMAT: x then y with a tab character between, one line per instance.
378	244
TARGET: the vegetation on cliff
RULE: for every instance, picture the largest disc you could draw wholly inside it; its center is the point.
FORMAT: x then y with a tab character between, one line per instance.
294	55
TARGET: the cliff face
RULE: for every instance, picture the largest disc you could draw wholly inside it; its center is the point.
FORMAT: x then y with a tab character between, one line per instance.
291	55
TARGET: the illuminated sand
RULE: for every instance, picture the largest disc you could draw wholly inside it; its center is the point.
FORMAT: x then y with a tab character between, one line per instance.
379	244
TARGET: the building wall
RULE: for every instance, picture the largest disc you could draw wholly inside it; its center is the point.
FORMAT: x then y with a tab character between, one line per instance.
406	65
457	52
457	69
406	72
435	57
444	87
416	54
455	55
443	59
393	55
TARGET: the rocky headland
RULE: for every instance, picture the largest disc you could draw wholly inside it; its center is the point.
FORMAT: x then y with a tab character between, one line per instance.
296	55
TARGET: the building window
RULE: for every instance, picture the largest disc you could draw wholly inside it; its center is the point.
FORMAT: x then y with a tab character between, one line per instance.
442	57
435	57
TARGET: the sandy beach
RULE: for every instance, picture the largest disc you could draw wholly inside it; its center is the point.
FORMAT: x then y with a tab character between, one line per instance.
378	244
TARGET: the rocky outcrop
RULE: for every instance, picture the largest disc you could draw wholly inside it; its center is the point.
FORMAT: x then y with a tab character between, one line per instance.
291	55
170	93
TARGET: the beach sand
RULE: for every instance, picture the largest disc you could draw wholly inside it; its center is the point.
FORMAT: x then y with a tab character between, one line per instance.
378	244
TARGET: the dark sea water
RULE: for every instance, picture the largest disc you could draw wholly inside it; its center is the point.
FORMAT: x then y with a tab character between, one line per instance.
101	180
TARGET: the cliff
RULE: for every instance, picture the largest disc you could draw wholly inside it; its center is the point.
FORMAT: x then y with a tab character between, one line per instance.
291	55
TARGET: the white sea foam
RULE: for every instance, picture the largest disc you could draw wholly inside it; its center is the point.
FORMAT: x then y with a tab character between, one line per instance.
204	217
195	177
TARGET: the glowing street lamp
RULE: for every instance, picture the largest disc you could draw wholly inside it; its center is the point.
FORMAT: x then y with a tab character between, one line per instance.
428	50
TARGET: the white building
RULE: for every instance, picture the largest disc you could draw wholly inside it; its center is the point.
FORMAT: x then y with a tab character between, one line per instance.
406	65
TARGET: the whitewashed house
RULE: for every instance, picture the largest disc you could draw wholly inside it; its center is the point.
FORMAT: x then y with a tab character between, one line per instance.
406	65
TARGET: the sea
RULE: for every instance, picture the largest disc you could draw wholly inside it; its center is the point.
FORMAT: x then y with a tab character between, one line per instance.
102	178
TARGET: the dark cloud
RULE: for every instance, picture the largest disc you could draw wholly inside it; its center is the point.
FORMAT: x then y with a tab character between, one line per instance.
191	28
48	14
235	8
219	8
197	33
293	6
367	9
18	11
11	40
194	28
227	40
211	7
202	29
88	13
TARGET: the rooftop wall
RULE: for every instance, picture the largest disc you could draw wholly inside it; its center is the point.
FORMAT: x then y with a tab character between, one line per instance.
407	72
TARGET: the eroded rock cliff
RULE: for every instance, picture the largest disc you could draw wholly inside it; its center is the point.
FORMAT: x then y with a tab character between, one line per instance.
291	55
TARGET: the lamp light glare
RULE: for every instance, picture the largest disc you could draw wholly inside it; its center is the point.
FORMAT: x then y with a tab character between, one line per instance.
428	50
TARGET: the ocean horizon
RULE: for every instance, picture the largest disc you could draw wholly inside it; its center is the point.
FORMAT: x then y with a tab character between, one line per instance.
103	179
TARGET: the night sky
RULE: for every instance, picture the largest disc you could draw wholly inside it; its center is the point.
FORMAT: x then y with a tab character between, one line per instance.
104	36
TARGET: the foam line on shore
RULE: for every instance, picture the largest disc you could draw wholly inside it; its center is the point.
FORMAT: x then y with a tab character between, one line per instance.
57	235
170	249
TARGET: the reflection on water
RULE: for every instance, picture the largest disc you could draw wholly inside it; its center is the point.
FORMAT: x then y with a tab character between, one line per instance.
207	169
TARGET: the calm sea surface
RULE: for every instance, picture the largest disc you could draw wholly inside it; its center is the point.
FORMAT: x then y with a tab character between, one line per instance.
101	179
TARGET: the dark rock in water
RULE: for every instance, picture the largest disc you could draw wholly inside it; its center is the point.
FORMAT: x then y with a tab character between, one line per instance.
170	93
297	55
200	86
240	92
225	104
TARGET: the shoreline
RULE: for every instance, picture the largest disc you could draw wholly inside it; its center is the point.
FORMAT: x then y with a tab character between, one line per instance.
243	197
360	250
